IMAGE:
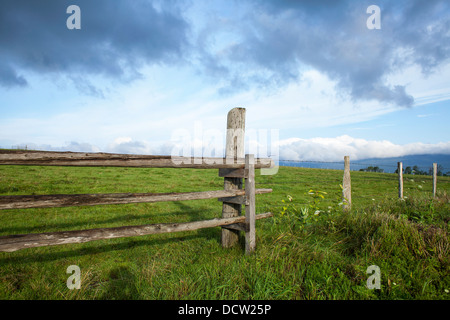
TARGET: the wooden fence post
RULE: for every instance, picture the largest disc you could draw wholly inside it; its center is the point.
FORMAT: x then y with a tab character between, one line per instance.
250	236
234	149
347	185
400	179
434	179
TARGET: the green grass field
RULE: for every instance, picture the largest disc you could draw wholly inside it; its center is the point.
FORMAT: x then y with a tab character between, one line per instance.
310	249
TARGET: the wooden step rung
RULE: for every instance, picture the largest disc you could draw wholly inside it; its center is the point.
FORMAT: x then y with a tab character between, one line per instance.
233	173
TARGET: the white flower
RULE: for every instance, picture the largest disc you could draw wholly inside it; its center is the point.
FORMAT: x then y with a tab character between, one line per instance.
316	212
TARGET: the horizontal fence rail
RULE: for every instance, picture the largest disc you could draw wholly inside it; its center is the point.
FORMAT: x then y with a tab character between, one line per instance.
69	200
82	159
23	241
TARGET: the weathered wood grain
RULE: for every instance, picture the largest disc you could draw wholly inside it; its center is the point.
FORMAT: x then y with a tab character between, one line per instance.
400	179
83	159
234	150
235	199
22	241
434	179
69	200
250	206
347	186
232	173
243	199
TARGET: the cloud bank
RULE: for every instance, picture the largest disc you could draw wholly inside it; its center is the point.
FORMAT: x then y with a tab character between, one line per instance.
334	149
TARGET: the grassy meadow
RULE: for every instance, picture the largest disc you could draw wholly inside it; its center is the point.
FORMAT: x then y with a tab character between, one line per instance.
310	249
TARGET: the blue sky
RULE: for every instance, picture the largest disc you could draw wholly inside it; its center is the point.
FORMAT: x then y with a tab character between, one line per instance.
138	73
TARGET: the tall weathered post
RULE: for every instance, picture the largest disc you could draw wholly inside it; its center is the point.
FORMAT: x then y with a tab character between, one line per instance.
434	179
250	209
347	185
234	149
400	179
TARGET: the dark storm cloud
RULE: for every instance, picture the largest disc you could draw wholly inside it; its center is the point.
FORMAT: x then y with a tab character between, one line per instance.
9	77
115	39
424	28
276	40
280	37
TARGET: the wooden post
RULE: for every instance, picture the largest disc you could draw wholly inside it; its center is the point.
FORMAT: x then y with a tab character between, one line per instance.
434	178
250	210
400	179
347	185
234	149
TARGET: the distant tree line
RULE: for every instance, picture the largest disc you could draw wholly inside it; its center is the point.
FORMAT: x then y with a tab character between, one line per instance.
416	170
372	169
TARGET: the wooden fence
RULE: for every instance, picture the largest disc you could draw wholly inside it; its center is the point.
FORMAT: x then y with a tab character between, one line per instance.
233	168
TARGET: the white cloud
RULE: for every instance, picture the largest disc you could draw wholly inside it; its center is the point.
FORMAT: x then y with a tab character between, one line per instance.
127	145
425	88
70	146
334	149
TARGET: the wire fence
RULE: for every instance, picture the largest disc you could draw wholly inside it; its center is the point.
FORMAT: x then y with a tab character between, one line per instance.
362	165
371	188
20	147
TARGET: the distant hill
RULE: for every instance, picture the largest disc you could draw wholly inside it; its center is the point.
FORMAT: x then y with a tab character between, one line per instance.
423	161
